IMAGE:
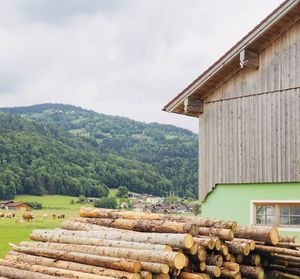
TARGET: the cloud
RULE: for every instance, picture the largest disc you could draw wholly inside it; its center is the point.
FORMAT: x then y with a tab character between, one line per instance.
118	57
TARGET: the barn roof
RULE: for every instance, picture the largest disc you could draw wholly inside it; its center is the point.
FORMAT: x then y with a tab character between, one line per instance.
256	40
15	204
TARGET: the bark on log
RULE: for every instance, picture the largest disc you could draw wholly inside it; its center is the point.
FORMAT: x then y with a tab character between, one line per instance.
252	272
259	233
173	259
251	242
116	214
285	257
231	266
216	260
15	273
279	250
282	275
14	256
207	242
60	238
230	274
146	275
174	240
160	226
108	262
155	267
214	271
188	275
238	248
223	234
252	259
288	238
294	271
51	271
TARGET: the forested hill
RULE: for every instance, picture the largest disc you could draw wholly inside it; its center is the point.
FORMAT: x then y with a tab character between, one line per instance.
55	148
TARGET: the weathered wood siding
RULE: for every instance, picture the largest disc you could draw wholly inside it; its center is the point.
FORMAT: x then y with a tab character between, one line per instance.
249	130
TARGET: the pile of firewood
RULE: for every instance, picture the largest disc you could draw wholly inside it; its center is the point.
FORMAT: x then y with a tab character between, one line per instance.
106	243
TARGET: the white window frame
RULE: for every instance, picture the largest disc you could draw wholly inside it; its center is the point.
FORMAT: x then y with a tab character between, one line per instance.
281	228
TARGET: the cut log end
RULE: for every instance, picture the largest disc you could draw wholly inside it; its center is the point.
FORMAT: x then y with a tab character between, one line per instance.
274	235
188	241
179	261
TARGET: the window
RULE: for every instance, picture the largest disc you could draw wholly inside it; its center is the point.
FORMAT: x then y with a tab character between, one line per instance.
280	214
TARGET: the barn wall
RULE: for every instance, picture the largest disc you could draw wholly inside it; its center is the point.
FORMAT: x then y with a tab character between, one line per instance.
217	204
250	129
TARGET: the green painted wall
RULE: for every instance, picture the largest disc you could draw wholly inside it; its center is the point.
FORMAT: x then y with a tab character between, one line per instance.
232	201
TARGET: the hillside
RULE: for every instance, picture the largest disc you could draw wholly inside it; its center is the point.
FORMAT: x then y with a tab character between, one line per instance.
164	154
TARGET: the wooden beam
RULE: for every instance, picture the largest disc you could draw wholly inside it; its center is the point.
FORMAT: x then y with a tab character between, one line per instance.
193	106
249	59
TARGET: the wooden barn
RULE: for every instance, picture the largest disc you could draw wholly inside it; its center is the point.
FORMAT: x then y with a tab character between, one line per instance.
248	105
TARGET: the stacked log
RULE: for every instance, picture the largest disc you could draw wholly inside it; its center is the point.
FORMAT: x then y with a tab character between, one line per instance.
105	243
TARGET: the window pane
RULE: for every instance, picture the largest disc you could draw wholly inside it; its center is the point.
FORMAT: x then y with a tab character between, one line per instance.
260	210
270	210
295	220
284	210
270	220
260	219
284	220
295	210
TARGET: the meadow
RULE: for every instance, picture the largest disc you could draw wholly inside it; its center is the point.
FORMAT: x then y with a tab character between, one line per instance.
12	232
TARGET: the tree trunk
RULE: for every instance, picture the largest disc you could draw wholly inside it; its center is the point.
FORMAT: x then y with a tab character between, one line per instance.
238	248
279	250
223	234
15	273
207	243
214	271
173	259
108	262
231	266
116	214
160	226
174	240
61	238
51	271
155	267
252	272
216	260
230	274
13	256
259	233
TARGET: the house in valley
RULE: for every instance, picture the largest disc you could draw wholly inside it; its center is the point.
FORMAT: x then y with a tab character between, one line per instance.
248	106
12	205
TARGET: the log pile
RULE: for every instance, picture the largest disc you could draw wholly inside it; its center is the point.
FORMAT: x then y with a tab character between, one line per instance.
105	243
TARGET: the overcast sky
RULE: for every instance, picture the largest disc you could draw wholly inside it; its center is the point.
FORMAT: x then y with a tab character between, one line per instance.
119	57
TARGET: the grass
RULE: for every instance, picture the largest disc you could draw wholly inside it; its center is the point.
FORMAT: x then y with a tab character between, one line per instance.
12	232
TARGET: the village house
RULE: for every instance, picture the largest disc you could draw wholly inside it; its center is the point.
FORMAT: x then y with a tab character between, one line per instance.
248	106
19	206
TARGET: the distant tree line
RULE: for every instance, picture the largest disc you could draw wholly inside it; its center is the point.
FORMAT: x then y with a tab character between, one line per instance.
61	149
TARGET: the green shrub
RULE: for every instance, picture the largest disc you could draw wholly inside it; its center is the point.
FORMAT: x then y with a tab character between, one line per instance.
106	202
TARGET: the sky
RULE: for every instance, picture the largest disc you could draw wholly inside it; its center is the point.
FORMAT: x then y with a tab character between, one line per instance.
119	57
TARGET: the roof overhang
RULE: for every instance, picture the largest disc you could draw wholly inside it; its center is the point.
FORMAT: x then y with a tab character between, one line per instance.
190	100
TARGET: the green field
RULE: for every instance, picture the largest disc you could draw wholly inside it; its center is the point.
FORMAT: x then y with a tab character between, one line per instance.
12	232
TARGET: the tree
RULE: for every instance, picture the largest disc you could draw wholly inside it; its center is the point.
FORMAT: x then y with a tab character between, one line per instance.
107	202
197	209
122	192
81	199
